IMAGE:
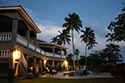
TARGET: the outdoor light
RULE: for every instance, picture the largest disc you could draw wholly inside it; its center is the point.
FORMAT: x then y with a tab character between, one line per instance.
45	61
16	55
66	62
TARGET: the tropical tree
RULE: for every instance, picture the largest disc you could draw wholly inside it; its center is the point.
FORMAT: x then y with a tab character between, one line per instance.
73	22
88	37
54	40
91	43
62	38
77	54
111	54
117	28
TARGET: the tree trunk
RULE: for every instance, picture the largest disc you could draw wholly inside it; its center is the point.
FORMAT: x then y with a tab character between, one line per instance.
73	48
78	62
86	55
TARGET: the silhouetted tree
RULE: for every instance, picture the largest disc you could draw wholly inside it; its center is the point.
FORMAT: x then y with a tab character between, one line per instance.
117	28
88	37
73	22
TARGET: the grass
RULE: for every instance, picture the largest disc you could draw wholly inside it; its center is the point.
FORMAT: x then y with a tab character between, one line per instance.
54	80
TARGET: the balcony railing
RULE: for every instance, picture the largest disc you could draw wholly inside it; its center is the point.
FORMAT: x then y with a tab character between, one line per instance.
4	53
21	40
48	54
63	56
5	36
31	46
58	55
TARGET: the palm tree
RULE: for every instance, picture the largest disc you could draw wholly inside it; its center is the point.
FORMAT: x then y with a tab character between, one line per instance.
91	43
63	37
77	54
54	40
88	37
73	22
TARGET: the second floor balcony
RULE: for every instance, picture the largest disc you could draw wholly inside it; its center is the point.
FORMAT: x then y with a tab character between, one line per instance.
7	37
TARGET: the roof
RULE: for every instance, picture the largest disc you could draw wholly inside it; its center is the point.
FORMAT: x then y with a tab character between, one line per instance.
48	43
24	14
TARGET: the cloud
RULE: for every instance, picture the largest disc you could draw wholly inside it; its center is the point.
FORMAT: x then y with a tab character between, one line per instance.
48	32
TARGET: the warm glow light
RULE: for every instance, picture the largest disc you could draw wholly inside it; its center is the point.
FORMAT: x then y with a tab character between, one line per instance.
66	65
16	55
66	62
45	61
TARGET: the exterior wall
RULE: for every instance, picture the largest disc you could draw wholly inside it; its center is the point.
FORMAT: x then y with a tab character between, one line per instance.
17	16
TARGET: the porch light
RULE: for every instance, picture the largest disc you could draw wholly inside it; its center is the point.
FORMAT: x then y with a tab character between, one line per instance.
66	64
45	61
16	55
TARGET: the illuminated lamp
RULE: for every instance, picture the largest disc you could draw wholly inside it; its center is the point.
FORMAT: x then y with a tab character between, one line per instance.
16	55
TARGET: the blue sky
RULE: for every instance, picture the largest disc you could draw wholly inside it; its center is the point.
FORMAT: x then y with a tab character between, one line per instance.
49	16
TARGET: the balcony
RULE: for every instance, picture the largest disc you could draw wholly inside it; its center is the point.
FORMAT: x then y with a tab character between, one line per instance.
7	36
4	53
31	46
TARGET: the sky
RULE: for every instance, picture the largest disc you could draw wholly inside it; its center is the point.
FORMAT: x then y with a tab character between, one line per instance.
49	16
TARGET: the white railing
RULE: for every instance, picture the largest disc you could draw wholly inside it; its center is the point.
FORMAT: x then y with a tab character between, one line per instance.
42	52
4	53
37	49
21	40
31	46
63	56
7	36
57	55
48	54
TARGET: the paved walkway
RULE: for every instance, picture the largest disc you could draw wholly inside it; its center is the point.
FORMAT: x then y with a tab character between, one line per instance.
92	75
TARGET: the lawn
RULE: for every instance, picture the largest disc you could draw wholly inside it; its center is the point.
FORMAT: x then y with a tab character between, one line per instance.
54	80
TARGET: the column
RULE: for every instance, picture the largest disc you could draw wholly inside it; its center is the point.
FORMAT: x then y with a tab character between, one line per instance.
54	51
27	64
40	65
61	52
14	31
34	65
11	68
53	64
27	37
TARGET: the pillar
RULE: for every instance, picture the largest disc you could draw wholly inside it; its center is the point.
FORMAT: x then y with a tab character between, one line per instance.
53	51
27	37
40	65
61	52
14	31
27	64
53	64
34	65
11	70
